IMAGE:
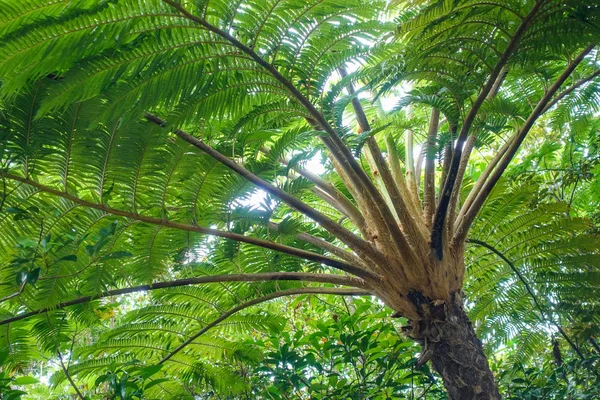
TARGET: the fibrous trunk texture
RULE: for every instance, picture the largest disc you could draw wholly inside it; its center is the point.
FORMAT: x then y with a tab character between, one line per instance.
456	353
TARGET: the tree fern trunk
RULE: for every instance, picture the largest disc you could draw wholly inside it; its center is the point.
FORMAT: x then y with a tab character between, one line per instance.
456	353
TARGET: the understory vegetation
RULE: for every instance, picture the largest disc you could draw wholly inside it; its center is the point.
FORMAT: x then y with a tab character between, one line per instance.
299	199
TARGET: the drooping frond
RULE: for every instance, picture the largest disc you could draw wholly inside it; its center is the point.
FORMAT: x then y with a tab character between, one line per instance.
171	168
525	265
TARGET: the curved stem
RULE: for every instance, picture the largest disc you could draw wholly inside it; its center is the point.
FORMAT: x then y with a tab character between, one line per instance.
333	249
308	255
515	143
568	90
69	377
350	239
336	198
271	296
324	245
257	277
530	292
439	219
62	363
340	204
15	294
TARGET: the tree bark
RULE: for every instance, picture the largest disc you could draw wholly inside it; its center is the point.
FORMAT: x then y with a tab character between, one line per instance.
450	342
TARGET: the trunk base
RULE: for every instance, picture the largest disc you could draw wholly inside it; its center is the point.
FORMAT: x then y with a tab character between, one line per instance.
456	353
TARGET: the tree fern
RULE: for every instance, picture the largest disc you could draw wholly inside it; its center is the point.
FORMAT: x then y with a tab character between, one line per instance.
138	136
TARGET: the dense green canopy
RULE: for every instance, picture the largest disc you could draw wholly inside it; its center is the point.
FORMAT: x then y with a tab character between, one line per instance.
231	199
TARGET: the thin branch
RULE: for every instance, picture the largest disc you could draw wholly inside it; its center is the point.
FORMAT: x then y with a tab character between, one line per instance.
207	231
512	266
325	245
530	292
515	143
570	89
257	277
5	194
349	238
15	294
429	182
482	178
439	220
65	370
462	168
62	364
342	203
271	296
425	391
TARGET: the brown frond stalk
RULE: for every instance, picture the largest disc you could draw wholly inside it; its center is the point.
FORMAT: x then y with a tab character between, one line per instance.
399	178
271	296
351	269
325	245
350	239
439	220
570	89
412	235
257	277
481	180
462	168
429	183
411	176
334	197
515	143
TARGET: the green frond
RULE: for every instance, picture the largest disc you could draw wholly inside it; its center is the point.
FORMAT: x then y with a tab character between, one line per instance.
95	196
